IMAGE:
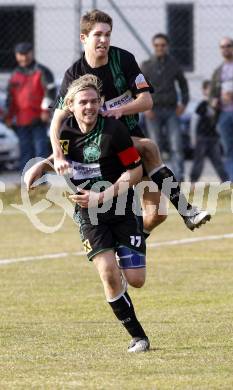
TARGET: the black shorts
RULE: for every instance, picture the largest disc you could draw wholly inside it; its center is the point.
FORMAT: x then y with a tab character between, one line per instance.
110	233
137	132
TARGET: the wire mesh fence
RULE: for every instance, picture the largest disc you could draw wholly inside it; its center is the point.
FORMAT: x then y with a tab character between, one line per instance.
194	28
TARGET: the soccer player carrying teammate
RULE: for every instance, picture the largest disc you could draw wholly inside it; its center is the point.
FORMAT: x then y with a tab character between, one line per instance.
100	150
126	93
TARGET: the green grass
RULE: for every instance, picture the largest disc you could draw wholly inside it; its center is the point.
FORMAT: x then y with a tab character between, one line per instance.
57	331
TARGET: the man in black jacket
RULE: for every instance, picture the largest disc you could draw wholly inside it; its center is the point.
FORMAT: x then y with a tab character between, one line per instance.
164	73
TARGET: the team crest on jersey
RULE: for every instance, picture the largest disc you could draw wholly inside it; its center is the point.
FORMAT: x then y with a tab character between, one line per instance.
87	246
65	145
91	152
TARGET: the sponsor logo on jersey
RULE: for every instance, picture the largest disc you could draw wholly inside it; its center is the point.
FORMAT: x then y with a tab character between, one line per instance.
87	246
140	81
65	145
85	171
91	152
119	100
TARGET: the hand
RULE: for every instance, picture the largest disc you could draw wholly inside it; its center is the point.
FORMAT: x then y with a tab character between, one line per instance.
61	165
180	108
150	114
116	113
33	174
87	198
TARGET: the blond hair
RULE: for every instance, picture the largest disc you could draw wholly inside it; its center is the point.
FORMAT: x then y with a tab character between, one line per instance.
88	81
91	18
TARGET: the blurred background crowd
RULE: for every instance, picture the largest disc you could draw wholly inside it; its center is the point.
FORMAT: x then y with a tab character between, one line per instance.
185	48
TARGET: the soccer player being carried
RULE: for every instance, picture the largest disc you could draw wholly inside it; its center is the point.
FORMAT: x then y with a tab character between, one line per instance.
126	93
102	156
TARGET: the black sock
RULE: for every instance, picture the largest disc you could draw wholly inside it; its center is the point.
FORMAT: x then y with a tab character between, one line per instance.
165	176
124	311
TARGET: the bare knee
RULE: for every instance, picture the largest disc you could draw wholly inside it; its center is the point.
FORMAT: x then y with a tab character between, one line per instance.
136	283
135	276
150	151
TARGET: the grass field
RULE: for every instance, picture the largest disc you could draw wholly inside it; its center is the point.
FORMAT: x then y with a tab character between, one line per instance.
57	331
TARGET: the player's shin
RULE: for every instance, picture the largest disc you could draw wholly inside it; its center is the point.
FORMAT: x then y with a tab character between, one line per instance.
167	183
123	309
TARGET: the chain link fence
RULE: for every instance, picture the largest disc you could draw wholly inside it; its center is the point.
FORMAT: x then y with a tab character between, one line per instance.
194	28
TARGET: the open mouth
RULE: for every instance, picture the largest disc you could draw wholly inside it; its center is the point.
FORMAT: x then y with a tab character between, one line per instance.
101	48
90	114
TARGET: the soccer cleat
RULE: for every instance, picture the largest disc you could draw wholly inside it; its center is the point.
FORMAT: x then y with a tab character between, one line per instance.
139	345
195	218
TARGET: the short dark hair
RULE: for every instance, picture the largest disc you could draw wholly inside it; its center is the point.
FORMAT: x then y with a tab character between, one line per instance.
91	18
205	84
160	35
23	47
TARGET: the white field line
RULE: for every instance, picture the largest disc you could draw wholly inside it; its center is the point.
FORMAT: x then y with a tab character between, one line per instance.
189	240
40	257
149	245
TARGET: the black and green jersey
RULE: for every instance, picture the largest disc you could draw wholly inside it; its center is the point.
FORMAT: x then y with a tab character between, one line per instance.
122	80
103	154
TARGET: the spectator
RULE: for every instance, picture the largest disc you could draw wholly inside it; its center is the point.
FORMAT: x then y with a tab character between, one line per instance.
31	90
222	98
163	72
207	139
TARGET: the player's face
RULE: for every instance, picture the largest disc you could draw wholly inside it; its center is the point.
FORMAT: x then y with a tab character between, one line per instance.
206	91
24	60
85	108
160	47
226	47
97	42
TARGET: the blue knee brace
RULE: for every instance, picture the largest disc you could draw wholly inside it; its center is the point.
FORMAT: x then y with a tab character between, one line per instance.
128	258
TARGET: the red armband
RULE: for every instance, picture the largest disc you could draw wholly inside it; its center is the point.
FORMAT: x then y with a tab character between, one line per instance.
129	156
